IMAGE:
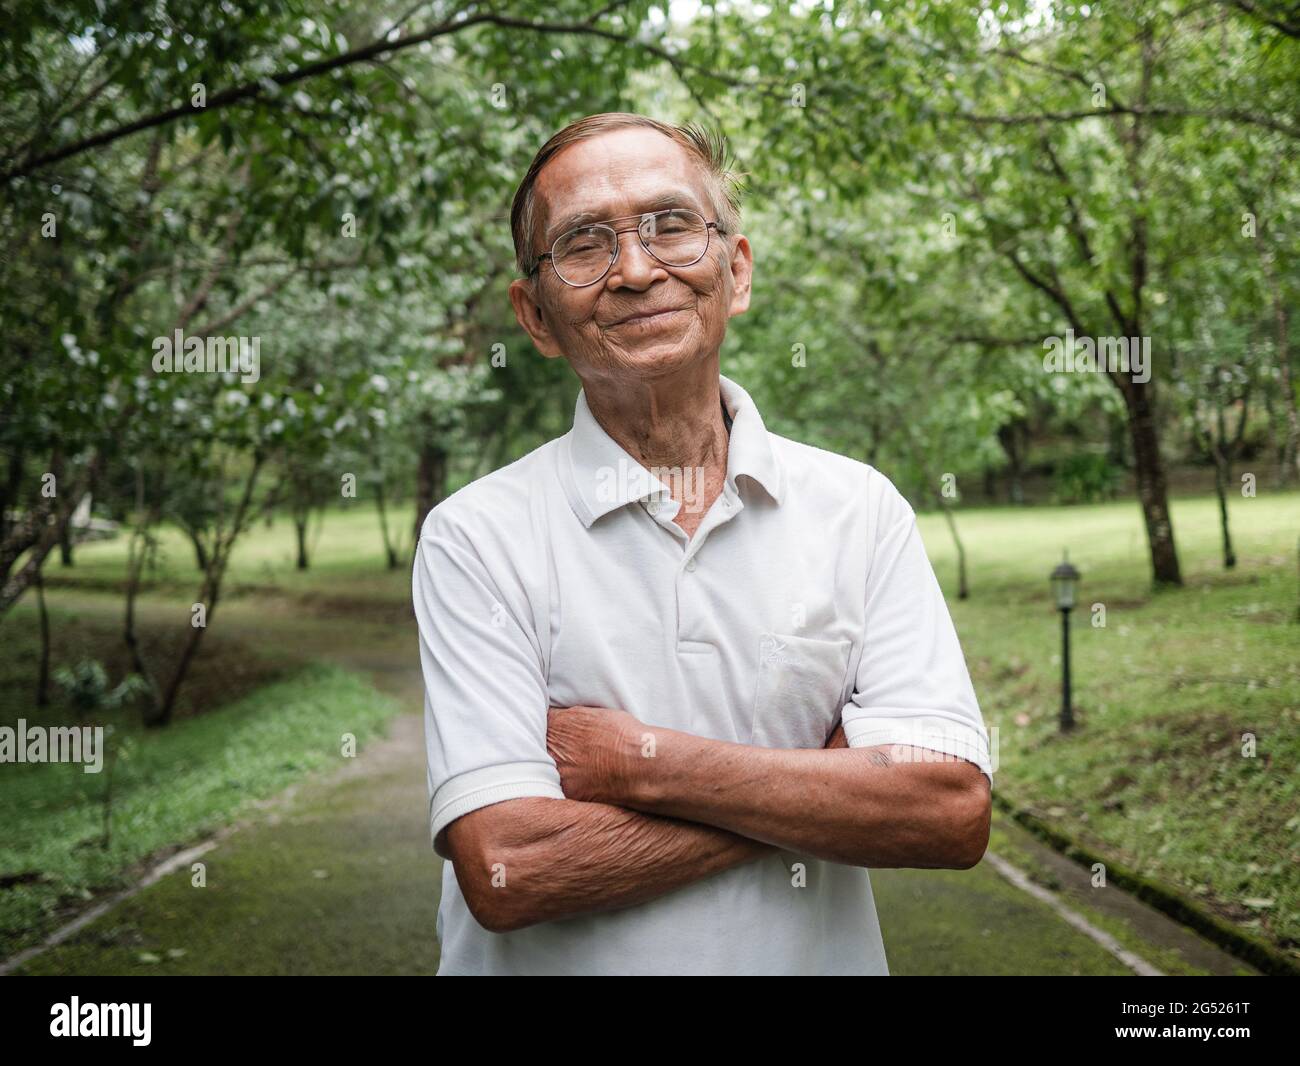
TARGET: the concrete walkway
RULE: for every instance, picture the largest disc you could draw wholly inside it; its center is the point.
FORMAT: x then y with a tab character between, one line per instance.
337	877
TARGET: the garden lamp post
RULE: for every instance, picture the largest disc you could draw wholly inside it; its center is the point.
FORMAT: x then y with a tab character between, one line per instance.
1064	578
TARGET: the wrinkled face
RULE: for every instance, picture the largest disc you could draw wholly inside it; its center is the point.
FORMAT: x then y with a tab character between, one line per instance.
642	316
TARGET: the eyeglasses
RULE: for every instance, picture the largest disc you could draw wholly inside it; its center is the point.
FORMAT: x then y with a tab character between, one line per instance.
677	237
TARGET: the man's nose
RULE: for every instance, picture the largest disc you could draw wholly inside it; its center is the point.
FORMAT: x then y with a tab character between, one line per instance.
634	266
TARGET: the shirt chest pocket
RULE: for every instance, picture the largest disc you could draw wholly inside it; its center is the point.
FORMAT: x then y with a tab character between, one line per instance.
800	689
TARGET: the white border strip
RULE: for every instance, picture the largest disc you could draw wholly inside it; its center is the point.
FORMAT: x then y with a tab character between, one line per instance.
1134	962
181	858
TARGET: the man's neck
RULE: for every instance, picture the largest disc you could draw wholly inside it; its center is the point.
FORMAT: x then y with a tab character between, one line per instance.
673	421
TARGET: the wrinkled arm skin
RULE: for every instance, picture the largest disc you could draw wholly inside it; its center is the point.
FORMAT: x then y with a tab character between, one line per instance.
538	860
887	806
891	806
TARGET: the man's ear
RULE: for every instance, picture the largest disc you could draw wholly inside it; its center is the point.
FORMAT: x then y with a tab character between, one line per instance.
523	297
742	276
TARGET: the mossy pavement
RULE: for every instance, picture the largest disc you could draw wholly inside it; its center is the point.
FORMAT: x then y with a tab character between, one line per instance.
337	877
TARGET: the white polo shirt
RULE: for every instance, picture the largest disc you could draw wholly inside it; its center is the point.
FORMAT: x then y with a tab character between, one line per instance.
804	597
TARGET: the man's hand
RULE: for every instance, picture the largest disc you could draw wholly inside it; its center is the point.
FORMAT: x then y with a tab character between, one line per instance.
598	751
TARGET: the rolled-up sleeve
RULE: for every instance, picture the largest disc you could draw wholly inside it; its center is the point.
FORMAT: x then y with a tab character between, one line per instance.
485	696
912	686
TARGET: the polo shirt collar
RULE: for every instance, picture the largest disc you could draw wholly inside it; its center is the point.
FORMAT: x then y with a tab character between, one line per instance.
600	476
750	452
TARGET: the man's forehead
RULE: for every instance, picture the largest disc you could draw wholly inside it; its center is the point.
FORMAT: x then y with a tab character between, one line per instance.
621	172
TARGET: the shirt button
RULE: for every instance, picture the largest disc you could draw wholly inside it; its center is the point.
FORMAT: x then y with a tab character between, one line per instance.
652	507
690	565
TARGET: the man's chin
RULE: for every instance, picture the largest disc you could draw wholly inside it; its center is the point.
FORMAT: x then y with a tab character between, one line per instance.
656	359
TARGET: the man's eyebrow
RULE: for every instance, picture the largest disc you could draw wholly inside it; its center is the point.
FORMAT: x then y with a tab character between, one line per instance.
660	202
582	218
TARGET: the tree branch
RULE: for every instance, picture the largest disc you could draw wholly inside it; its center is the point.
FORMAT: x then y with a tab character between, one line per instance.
255	89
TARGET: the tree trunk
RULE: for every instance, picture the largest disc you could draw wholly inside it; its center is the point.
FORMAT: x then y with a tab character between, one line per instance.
137	554
1223	452
300	519
9	491
35	535
43	673
1222	476
208	595
1152	489
389	549
430	482
963	590
200	552
1011	437
1291	444
167	705
65	528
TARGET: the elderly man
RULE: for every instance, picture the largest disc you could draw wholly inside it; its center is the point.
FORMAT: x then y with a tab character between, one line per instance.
685	680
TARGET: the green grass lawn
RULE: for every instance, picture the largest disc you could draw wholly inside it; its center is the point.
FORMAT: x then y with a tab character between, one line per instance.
169	786
1167	693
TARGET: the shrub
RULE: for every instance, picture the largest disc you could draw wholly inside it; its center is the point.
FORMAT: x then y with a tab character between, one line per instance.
1085	478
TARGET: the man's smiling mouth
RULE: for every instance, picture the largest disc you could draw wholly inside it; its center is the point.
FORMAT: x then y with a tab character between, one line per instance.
648	318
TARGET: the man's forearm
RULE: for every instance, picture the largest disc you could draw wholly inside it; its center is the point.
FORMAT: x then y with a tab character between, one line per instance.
554	859
864	807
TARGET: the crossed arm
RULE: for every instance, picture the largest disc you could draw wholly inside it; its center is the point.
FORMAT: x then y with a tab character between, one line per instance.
649	810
